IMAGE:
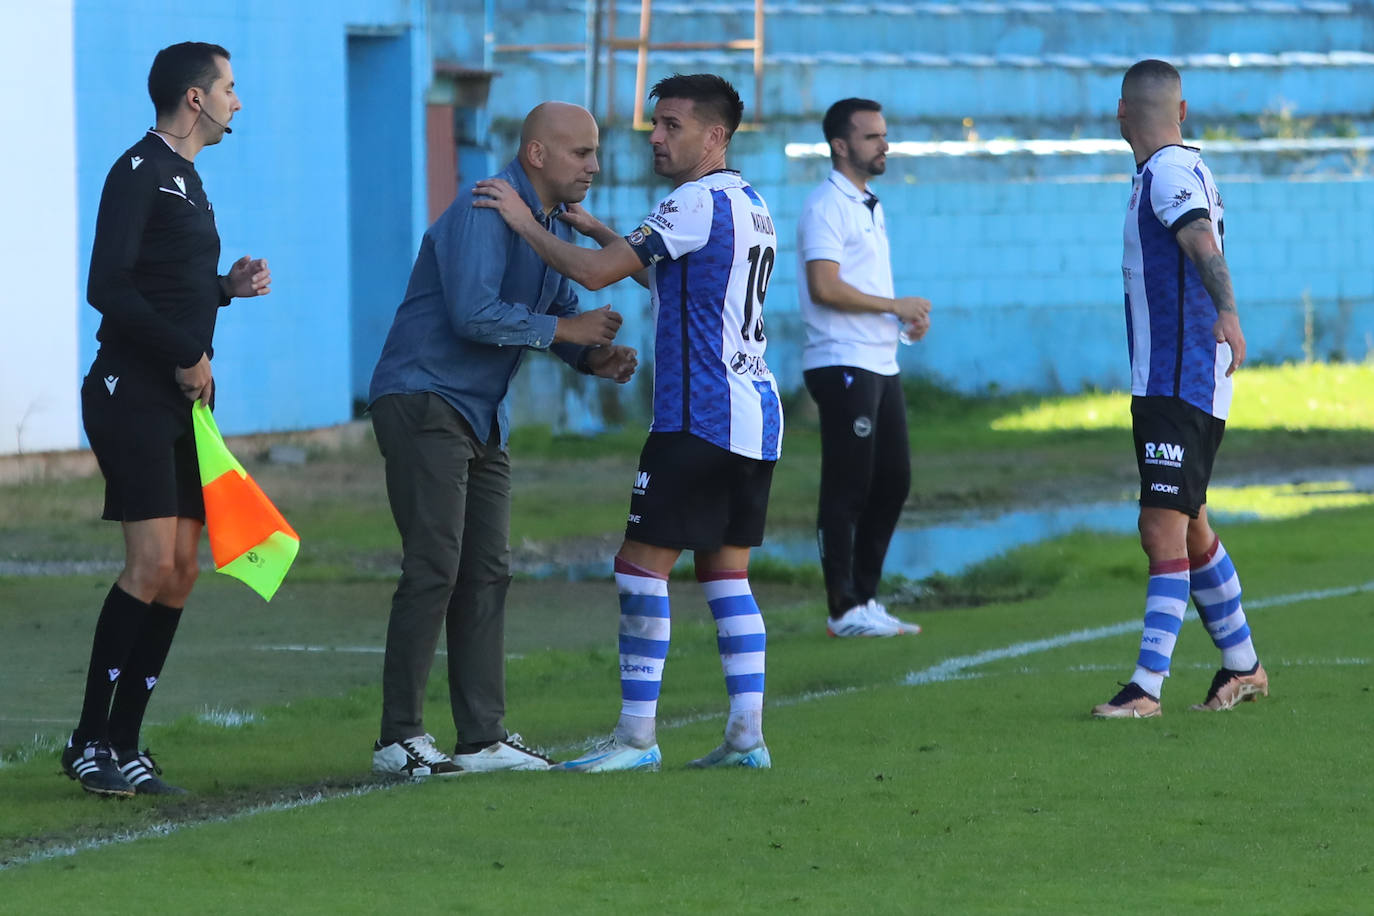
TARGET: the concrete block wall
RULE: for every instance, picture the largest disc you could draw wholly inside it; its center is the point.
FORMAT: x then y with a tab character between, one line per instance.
1020	253
1025	274
279	185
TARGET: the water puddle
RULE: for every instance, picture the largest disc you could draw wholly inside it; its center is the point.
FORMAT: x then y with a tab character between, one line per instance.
922	548
944	543
948	544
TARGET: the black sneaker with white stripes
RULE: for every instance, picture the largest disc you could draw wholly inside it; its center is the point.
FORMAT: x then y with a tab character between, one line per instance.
93	765
412	758
143	773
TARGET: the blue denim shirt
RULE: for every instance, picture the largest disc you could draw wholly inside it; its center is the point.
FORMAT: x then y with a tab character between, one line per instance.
478	297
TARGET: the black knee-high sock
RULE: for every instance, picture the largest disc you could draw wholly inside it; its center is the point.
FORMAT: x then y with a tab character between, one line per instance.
141	672
121	618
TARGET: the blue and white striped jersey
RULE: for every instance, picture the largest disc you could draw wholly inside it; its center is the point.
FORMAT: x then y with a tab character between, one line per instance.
1169	314
710	246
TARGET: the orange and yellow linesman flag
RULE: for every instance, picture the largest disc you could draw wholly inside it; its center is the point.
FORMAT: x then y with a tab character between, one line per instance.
249	538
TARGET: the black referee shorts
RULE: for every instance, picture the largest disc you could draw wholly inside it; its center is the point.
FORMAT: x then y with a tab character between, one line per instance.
691	495
140	431
1175	446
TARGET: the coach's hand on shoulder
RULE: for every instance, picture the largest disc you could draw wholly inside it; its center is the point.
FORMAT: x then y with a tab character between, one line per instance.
1227	330
248	277
615	363
497	194
596	328
197	382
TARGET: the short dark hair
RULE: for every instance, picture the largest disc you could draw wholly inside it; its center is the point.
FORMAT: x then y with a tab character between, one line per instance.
837	117
1150	71
180	67
713	95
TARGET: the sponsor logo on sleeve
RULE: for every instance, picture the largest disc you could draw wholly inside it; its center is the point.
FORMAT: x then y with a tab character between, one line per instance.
1181	198
640	236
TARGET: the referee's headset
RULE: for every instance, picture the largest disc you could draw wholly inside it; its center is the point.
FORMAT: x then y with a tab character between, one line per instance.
200	108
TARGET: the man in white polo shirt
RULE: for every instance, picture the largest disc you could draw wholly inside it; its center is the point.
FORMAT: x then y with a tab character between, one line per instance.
853	321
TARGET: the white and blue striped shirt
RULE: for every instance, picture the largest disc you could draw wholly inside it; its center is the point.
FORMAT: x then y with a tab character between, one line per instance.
1169	314
711	246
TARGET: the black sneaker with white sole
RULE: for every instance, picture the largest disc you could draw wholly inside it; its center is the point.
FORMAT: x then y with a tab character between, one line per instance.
93	765
412	758
143	774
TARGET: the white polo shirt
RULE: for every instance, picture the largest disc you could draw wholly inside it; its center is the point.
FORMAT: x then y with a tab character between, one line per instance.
837	225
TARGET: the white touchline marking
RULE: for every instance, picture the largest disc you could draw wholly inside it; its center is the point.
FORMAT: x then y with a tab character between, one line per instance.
947	670
167	828
953	667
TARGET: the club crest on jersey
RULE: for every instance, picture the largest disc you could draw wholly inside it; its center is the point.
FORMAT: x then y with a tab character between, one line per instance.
863	427
640	236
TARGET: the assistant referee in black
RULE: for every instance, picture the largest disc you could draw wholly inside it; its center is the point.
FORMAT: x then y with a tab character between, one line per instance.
155	281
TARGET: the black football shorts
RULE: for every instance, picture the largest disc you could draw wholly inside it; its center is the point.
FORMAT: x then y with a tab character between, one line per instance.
691	495
140	430
1175	446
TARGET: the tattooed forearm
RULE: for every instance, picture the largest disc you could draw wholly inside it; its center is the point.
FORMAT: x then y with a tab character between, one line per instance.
1198	243
1216	278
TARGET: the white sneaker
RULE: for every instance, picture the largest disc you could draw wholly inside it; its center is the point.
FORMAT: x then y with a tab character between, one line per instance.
507	754
903	627
610	755
412	758
862	620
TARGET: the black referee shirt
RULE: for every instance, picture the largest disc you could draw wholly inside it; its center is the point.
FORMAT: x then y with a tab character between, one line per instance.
155	262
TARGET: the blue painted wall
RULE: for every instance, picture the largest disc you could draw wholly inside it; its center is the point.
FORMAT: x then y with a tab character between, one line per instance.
1025	272
380	161
324	176
280	183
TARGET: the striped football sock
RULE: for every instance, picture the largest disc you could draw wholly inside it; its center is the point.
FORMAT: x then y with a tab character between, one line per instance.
1216	593
645	626
742	641
1166	598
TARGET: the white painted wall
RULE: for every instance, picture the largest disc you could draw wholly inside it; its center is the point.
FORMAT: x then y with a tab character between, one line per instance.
39	281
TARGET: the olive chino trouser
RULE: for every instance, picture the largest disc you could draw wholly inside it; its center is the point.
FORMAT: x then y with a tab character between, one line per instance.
450	497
